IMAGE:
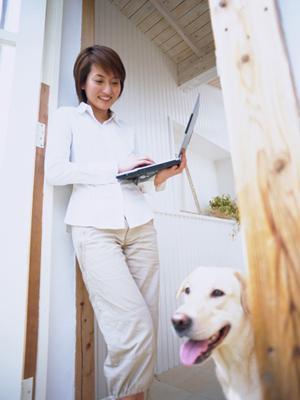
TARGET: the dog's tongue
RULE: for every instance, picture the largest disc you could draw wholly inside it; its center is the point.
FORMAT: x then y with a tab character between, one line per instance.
191	350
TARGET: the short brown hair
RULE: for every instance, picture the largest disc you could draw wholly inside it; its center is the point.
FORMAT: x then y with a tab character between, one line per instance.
104	56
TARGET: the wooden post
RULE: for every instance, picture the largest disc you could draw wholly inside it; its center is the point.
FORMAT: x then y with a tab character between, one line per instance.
263	121
31	348
85	348
88	23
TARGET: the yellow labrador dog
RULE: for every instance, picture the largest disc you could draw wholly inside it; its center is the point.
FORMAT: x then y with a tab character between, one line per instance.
215	320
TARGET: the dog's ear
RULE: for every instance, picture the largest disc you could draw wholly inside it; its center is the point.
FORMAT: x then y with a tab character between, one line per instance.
180	290
244	297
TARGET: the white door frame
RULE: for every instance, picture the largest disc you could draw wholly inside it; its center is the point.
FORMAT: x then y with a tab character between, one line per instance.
16	176
55	375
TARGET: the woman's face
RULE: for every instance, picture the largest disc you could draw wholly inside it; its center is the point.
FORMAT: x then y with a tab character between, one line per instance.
102	89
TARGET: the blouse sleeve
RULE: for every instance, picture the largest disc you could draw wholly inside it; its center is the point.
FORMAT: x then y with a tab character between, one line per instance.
59	170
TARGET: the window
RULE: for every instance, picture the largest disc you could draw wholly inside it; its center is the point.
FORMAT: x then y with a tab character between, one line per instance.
9	25
209	172
9	15
7	57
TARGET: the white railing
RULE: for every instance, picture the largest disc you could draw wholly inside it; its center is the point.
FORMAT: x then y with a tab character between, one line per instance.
187	241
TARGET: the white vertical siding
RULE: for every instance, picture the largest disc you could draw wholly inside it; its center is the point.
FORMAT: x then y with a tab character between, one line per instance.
151	92
184	243
151	95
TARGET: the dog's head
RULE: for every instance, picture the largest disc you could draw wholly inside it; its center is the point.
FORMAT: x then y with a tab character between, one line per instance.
212	313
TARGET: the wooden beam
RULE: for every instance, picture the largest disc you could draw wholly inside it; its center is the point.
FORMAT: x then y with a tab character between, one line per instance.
35	250
88	23
215	82
200	66
172	21
263	121
85	347
205	77
207	51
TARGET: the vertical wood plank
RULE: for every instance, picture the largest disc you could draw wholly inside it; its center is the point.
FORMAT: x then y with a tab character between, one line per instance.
88	23
85	348
35	249
263	120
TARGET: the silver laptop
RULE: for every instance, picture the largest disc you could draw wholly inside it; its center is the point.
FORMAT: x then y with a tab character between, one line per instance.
144	173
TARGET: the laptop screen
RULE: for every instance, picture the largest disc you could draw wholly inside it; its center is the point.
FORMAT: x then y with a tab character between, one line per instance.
190	126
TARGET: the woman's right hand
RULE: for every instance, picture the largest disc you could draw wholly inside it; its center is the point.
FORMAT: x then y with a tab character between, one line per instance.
134	161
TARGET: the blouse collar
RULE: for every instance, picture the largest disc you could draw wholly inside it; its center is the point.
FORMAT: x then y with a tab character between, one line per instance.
84	107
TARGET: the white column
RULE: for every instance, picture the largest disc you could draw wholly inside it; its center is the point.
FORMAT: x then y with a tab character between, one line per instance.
16	177
57	330
290	11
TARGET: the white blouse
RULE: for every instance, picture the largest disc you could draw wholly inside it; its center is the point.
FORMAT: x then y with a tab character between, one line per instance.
85	153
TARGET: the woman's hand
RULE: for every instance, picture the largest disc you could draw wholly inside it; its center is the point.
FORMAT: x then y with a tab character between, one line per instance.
165	174
134	161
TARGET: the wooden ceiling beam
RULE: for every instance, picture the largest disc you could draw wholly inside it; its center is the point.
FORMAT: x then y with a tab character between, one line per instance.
175	25
195	67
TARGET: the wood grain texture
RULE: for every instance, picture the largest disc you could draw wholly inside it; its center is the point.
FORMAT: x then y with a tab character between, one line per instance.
85	347
179	28
215	82
88	23
31	347
263	120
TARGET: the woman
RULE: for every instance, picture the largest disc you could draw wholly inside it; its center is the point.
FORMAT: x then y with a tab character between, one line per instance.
111	223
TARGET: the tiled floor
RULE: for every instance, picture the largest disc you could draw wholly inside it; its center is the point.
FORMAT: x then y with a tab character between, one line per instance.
182	383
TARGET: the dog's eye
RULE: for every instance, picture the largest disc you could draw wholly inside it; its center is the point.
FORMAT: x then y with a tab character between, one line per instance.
187	290
217	293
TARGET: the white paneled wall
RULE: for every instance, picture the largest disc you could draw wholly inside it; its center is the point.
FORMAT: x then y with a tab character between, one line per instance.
151	93
150	97
225	177
184	243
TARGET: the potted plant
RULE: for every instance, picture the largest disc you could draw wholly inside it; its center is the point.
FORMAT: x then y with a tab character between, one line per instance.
224	206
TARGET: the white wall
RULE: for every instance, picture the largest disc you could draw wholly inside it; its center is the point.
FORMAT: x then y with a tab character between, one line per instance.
225	177
210	170
51	64
16	176
290	11
187	241
151	93
58	256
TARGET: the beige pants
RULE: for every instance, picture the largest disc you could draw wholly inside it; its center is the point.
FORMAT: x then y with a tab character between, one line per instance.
120	269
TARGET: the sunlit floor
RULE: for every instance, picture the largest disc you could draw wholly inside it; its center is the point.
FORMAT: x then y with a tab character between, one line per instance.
182	383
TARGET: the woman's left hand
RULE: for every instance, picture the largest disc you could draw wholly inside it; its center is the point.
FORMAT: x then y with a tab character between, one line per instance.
167	173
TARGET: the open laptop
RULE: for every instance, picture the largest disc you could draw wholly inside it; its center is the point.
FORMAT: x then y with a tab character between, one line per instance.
144	173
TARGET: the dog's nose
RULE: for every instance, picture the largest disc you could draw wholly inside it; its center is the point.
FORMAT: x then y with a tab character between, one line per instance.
181	322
